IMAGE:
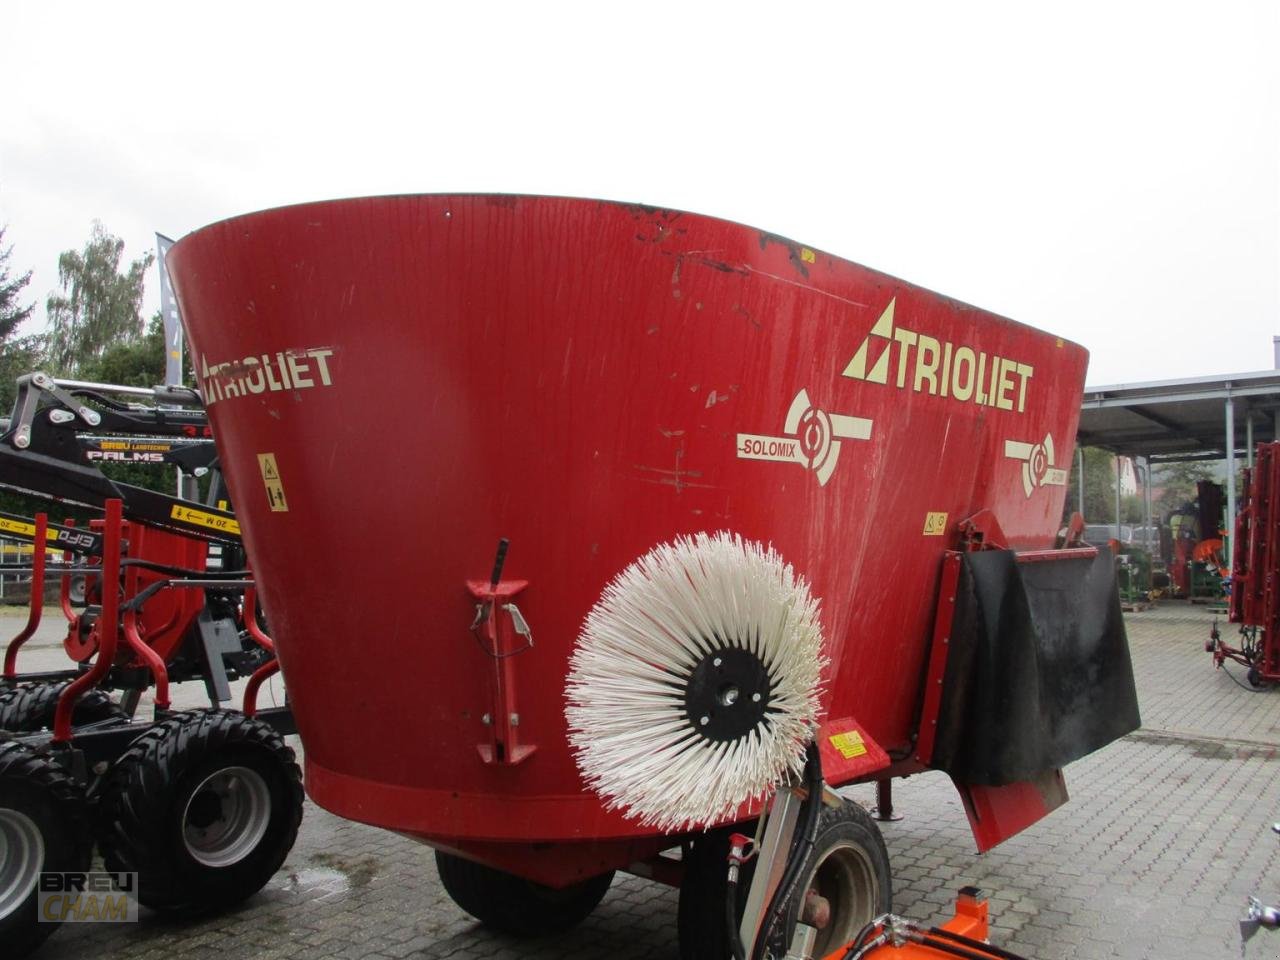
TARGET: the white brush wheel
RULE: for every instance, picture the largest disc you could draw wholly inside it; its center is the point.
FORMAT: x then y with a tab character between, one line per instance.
694	684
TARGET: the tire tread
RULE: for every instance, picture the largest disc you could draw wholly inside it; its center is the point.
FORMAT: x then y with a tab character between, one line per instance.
131	822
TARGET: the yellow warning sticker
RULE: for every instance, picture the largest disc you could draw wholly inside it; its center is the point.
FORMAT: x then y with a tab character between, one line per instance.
271	480
202	519
807	255
849	744
935	524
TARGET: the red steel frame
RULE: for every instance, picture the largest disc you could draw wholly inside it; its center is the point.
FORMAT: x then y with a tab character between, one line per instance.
269	669
1255	571
37	600
106	626
150	632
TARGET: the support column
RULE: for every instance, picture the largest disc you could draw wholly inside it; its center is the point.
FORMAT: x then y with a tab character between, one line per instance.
1118	496
883	810
1248	438
1230	448
1146	496
1080	478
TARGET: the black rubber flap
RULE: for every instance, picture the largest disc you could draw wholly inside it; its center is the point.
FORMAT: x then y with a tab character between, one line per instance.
1038	672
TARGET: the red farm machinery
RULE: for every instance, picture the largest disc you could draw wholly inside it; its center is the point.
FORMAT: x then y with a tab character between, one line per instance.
199	807
638	399
680	434
1254	601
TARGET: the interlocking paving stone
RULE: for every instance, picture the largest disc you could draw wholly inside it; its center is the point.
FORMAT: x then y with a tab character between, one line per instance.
1165	835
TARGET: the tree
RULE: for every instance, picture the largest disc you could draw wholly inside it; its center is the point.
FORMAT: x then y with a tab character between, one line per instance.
12	313
131	363
98	307
18	355
1099	486
1176	482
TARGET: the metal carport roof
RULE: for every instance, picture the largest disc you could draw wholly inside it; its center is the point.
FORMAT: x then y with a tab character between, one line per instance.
1170	420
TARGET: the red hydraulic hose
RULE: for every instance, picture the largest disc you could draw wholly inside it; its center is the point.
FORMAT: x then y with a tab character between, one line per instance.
108	632
64	587
260	676
159	671
251	621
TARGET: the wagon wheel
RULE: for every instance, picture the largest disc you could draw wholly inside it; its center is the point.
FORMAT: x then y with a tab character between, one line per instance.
848	867
43	827
514	905
204	807
30	708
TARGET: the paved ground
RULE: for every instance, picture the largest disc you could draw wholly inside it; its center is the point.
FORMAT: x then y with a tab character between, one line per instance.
1164	838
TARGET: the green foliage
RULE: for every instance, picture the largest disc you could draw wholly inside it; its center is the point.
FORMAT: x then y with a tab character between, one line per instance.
131	363
12	313
1100	491
17	356
1099	487
98	307
1176	483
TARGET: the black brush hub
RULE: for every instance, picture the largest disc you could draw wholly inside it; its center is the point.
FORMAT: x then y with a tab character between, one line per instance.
727	694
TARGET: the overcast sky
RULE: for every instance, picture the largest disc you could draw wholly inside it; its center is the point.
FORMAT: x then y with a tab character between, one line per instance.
1106	171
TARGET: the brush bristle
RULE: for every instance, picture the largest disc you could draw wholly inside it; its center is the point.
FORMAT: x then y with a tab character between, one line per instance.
660	617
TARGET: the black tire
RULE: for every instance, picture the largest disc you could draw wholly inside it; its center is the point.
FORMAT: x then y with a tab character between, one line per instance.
849	866
31	708
514	905
204	807
38	801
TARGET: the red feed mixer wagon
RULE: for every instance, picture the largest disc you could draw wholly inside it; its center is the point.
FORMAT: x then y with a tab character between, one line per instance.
399	384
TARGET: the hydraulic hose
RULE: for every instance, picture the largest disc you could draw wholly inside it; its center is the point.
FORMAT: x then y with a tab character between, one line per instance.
956	950
800	850
964	941
731	918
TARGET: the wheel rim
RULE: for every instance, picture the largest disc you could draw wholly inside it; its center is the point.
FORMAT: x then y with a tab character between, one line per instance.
21	858
226	816
846	877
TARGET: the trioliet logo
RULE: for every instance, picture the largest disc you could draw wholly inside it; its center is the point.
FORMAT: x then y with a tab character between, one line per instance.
266	373
926	364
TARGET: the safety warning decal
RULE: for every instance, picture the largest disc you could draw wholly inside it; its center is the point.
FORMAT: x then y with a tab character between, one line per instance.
271	480
812	440
935	523
1037	464
849	744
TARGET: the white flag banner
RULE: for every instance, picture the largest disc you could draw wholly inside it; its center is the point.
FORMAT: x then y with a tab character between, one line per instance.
172	321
